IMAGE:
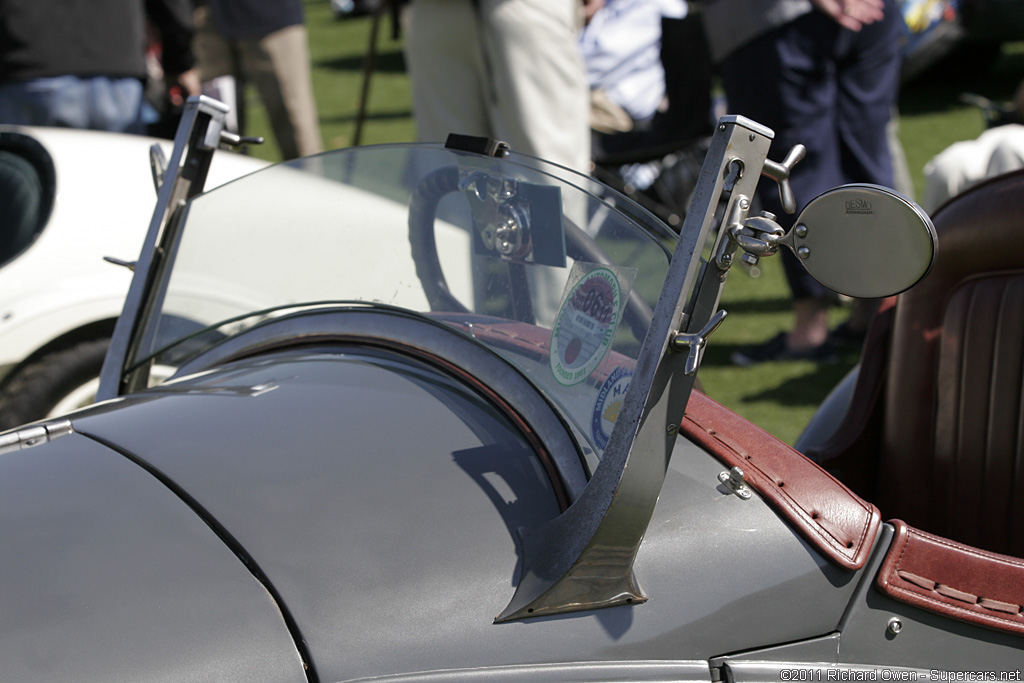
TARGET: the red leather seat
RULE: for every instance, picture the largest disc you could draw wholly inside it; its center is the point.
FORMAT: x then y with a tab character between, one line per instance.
935	432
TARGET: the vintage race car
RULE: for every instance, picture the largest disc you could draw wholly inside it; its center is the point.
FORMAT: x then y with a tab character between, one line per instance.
430	417
85	195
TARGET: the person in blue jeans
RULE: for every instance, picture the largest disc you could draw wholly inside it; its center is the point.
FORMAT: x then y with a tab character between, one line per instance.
82	63
824	73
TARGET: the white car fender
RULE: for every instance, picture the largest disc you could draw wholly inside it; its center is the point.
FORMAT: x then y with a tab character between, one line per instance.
48	314
103	205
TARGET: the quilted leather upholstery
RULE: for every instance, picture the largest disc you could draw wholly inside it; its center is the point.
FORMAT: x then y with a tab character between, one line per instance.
939	413
952	451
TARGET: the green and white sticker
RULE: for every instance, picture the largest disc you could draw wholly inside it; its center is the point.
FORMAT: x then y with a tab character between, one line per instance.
586	324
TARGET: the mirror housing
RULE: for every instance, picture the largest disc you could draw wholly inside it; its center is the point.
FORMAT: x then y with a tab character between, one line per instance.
864	241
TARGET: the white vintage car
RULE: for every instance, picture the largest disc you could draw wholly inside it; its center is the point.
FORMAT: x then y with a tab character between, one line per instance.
69	199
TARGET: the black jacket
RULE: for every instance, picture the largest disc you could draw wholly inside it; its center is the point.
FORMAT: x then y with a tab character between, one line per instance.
43	38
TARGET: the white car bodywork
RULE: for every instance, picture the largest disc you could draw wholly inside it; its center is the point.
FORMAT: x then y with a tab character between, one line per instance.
224	276
60	290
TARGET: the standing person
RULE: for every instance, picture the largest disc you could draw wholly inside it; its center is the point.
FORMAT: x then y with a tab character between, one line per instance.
824	73
263	42
506	69
998	150
621	47
81	63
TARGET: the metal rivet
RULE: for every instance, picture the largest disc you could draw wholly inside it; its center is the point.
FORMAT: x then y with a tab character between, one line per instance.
801	231
895	626
803	252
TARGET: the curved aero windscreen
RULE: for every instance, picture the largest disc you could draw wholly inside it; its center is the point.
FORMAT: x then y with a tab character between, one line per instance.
552	270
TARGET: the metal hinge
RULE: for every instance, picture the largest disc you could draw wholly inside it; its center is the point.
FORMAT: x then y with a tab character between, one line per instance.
34	435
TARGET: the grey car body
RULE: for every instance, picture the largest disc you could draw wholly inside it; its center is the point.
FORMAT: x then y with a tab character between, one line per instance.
379	489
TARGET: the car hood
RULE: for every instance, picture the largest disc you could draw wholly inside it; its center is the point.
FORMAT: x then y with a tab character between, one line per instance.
109	576
343	476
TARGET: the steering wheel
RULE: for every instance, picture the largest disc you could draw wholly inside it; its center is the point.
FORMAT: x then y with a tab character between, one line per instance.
422	212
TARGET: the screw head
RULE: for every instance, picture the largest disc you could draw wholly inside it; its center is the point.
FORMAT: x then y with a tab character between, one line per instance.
895	626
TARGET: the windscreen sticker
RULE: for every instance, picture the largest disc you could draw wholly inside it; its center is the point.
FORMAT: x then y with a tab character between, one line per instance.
607	406
586	322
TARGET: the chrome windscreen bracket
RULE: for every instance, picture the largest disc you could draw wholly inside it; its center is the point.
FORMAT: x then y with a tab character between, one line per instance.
583	559
179	179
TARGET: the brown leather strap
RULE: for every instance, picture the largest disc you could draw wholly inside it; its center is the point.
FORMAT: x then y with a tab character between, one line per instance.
837	522
954	580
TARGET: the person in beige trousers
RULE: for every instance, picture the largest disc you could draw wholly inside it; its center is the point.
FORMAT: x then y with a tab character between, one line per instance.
505	69
263	42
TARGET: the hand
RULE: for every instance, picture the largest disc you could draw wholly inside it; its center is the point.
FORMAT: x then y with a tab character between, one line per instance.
590	8
852	14
183	86
189	82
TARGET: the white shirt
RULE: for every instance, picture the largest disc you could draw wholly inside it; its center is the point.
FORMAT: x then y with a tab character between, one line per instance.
622	50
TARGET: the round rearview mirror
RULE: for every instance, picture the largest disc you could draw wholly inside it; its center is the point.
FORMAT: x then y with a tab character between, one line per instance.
864	241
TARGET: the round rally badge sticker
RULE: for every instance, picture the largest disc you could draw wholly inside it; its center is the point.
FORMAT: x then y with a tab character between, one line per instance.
585	326
607	406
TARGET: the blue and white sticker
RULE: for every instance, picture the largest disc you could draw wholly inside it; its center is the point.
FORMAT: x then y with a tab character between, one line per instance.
585	326
608	405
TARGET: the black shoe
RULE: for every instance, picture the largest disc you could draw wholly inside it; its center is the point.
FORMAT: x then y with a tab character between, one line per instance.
776	349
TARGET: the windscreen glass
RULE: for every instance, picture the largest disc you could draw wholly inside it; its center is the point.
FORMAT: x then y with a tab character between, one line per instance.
551	270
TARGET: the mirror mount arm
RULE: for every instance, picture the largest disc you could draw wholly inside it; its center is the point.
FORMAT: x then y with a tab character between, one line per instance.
756	236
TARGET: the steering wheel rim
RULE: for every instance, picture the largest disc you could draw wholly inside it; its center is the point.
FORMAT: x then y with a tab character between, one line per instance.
422	213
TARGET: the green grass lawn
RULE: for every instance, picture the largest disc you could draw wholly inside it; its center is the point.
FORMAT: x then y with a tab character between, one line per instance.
780	397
